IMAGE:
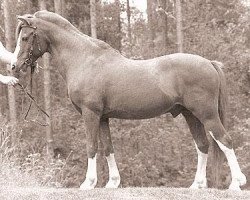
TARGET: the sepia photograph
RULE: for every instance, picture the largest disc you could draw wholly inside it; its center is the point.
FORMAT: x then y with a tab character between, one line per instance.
125	99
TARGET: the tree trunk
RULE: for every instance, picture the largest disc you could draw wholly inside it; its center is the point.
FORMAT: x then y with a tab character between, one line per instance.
119	46
31	6
129	27
179	26
163	24
9	36
151	26
93	18
47	100
2	89
59	7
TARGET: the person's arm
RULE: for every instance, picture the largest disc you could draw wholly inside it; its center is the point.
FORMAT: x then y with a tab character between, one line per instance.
9	80
5	55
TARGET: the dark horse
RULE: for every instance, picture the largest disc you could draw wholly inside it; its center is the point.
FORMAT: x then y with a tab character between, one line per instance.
103	84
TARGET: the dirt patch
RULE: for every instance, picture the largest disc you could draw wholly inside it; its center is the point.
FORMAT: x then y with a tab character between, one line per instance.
10	193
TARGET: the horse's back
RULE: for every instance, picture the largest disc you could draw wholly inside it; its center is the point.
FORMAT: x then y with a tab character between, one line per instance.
186	62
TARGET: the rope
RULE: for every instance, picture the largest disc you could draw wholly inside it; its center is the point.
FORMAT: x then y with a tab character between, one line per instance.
36	104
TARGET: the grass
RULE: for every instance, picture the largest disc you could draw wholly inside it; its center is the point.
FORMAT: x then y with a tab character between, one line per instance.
9	193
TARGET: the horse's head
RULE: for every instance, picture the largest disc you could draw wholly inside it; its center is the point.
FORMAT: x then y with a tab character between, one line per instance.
31	44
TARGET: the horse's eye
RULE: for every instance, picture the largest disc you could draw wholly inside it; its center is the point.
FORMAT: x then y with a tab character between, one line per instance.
24	38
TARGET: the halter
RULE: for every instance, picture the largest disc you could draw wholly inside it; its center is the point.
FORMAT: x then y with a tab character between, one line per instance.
28	61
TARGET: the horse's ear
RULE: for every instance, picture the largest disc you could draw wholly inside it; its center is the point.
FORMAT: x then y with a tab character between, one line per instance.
25	19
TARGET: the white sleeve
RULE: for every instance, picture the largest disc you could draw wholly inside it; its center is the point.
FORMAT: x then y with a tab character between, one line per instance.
1	78
5	55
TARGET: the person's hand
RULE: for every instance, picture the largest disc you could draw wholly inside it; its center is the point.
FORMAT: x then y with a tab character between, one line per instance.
1	45
9	80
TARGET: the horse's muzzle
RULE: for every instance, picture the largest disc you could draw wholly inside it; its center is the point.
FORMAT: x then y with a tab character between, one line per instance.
19	69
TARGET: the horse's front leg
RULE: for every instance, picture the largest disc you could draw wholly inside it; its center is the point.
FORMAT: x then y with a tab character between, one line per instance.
105	139
92	124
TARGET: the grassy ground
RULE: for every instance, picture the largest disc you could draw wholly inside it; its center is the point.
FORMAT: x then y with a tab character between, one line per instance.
32	193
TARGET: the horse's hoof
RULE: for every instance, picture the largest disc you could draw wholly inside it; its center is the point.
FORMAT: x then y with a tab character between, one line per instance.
242	179
234	187
237	182
113	182
88	184
199	185
111	185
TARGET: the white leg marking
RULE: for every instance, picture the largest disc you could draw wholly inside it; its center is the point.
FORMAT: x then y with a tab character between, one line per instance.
114	176
91	175
200	180
238	178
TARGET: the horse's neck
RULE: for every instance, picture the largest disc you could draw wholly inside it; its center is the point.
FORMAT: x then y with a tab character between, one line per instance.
69	49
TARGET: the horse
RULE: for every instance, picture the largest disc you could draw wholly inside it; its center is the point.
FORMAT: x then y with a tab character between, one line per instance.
103	84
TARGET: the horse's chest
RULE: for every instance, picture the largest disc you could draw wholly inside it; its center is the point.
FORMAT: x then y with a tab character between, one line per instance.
82	96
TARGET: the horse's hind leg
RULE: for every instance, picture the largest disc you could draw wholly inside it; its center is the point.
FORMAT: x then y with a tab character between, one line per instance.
105	139
201	143
214	126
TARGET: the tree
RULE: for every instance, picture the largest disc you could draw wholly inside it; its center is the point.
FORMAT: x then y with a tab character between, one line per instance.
109	23
9	36
2	87
151	26
163	25
129	26
93	18
119	39
47	97
59	7
179	26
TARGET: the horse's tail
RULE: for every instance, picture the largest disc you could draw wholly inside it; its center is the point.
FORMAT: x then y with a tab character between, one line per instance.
222	104
217	154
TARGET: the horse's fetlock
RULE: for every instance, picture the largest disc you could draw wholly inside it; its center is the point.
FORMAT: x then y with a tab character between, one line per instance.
203	148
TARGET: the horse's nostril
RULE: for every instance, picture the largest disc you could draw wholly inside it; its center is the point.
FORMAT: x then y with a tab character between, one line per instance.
13	67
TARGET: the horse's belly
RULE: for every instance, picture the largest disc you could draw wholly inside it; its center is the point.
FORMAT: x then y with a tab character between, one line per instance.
122	114
138	105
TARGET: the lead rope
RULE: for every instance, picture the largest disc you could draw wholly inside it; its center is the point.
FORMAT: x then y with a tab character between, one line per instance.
32	99
31	87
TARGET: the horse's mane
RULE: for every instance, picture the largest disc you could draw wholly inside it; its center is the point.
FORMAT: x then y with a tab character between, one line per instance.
55	19
65	24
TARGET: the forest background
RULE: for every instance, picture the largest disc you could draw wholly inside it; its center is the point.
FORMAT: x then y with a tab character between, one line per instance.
154	152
